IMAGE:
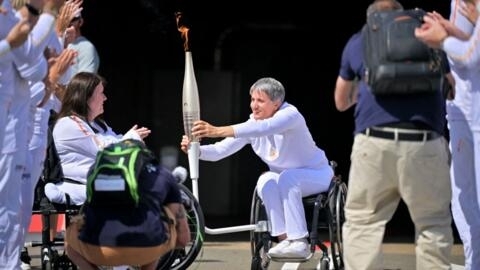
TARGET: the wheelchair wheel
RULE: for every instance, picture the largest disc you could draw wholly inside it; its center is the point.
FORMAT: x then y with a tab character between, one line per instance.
49	258
324	264
260	242
337	217
167	260
180	259
62	262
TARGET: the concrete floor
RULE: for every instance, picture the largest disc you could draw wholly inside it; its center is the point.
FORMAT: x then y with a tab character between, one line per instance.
232	252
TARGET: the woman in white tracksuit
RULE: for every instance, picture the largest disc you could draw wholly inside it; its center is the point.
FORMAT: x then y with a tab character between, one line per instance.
279	135
79	133
459	37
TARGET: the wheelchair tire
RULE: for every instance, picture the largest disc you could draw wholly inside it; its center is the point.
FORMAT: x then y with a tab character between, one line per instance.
336	220
325	264
260	242
180	259
47	258
167	260
62	262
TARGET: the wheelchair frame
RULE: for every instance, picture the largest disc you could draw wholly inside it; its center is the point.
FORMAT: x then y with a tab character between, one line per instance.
328	204
49	257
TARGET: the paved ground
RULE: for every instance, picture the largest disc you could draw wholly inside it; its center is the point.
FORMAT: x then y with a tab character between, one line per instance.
233	253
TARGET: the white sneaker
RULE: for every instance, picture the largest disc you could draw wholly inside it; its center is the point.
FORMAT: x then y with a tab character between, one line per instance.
25	266
295	249
25	259
277	251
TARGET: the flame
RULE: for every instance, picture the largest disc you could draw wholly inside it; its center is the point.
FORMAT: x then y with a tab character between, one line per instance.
183	30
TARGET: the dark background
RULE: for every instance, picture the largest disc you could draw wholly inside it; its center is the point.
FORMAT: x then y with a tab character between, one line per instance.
233	43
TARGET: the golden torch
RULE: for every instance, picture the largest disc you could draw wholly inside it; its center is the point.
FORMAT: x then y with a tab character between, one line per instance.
190	104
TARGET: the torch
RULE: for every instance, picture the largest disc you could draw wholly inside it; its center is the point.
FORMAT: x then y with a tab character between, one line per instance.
190	107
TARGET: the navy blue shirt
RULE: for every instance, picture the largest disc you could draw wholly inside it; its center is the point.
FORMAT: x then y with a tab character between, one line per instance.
372	110
135	227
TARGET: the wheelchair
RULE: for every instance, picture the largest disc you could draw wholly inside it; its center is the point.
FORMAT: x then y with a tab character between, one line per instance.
181	259
324	212
50	257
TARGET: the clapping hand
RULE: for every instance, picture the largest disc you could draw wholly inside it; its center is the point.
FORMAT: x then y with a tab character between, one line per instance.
143	132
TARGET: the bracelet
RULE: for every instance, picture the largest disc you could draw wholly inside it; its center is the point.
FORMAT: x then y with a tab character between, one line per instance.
32	10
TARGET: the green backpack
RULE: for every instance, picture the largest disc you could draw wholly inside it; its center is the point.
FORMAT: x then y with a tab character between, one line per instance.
113	179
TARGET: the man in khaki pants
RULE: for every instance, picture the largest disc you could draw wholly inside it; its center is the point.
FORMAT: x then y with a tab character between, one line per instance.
399	153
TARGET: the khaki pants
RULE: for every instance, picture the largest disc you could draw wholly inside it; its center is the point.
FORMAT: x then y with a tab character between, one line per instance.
382	173
114	256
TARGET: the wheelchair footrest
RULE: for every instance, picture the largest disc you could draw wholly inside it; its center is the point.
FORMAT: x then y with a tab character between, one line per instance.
289	259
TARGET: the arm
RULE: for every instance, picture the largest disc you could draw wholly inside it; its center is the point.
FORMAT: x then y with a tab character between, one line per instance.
347	84
74	134
37	40
70	133
218	150
458	26
469	11
345	94
287	117
459	19
39	36
464	53
58	65
16	37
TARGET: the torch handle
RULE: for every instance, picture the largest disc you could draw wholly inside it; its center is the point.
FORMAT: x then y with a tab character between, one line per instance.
193	154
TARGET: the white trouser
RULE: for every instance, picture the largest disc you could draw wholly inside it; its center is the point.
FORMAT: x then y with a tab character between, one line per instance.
11	236
56	192
32	173
465	189
282	196
4	105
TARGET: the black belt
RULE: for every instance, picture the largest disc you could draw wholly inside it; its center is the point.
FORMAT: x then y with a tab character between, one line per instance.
401	136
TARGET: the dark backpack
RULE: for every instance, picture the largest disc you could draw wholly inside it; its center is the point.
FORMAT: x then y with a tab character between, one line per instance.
396	62
52	168
113	179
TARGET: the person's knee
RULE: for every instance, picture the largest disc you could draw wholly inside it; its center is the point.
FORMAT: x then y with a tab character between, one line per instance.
287	183
267	183
54	194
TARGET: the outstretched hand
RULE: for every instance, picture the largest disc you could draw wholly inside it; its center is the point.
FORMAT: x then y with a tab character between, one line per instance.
143	132
203	129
